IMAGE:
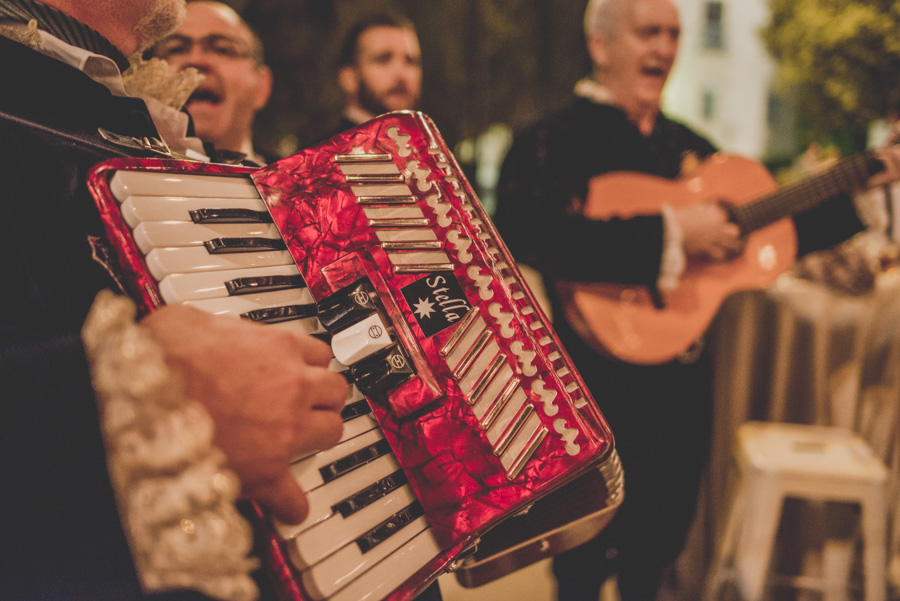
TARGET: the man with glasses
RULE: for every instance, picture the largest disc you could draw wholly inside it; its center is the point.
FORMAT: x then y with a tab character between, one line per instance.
219	44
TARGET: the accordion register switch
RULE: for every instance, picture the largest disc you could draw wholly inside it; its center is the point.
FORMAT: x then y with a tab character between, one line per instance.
359	340
362	339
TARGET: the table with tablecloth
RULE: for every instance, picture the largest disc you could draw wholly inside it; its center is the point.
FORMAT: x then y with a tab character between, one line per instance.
797	352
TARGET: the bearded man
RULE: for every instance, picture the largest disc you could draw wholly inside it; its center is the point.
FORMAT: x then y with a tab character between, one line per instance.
380	69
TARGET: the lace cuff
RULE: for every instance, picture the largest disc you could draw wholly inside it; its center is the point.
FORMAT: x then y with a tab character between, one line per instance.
175	497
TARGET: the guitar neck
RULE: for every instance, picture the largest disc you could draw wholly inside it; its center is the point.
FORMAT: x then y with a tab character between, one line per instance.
847	176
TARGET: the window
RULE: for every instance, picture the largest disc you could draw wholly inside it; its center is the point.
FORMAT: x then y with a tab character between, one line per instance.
708	105
713	30
775	110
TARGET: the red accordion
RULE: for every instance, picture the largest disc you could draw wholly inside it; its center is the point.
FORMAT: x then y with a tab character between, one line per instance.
465	409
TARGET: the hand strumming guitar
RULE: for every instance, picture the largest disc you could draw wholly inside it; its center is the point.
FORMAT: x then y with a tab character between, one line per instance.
708	233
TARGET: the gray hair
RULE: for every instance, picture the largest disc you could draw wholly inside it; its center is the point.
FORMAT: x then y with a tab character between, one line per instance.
603	17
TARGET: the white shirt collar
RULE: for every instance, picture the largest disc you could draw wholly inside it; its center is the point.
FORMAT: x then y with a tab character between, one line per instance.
595	92
357	114
171	124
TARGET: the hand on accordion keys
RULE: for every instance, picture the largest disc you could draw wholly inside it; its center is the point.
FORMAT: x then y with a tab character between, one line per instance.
268	390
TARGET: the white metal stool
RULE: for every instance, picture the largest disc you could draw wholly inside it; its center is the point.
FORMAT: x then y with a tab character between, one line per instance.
777	461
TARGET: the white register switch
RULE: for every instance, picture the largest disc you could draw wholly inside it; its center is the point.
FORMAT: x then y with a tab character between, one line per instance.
360	340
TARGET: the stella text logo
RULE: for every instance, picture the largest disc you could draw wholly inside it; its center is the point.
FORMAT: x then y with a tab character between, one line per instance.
437	301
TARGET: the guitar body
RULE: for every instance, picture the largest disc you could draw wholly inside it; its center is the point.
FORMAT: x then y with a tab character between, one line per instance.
623	320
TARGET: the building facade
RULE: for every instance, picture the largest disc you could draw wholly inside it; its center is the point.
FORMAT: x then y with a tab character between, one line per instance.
723	82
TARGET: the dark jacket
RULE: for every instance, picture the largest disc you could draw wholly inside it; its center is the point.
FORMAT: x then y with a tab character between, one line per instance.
60	537
660	414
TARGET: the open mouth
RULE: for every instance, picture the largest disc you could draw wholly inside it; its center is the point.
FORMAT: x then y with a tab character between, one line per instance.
658	72
398	89
207	96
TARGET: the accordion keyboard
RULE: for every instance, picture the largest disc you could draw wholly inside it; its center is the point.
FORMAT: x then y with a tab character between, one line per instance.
209	243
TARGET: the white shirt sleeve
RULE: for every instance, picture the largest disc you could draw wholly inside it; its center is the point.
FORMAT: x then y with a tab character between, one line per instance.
673	261
872	207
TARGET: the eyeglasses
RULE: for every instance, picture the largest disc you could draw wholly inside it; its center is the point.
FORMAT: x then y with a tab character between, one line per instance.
220	46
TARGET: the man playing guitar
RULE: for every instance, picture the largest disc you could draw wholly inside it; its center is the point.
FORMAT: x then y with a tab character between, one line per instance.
550	185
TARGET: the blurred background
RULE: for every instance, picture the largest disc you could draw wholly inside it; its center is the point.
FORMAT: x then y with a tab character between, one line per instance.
762	78
483	62
794	84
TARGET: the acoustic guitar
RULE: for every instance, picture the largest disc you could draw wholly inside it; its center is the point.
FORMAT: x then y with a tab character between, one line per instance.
632	325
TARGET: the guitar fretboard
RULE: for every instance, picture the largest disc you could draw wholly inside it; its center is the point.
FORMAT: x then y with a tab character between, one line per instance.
847	176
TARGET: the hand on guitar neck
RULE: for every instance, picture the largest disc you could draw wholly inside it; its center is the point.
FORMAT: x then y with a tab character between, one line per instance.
890	157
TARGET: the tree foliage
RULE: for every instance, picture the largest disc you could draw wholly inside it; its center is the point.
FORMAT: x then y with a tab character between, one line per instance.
843	57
